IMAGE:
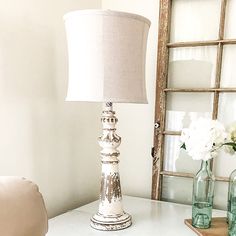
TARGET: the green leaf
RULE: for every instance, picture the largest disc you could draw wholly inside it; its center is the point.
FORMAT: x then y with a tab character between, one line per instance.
232	144
183	146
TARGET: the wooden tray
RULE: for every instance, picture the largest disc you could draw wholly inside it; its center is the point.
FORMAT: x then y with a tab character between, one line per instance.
219	227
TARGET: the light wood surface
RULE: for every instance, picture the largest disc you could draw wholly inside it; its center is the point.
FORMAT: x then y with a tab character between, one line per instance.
219	227
160	106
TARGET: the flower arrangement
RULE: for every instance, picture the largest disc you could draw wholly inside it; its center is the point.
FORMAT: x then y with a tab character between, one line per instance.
205	137
203	140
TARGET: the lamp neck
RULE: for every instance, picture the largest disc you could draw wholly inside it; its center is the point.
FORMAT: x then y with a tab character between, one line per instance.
108	106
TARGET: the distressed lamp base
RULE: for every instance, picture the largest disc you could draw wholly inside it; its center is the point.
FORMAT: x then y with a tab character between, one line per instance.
100	222
111	215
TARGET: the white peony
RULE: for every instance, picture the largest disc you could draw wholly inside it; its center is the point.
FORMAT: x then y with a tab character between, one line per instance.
232	132
231	139
203	138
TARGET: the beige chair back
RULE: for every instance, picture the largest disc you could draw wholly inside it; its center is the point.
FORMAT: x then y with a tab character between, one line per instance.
22	209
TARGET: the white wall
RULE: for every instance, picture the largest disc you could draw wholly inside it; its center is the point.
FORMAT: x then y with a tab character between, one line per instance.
135	124
42	137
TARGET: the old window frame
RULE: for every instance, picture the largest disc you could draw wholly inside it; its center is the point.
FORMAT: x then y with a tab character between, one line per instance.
164	46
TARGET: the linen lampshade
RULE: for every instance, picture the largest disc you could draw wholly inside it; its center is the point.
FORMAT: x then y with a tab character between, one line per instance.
107	53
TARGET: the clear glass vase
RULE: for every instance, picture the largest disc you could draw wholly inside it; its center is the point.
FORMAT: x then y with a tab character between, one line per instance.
203	193
231	208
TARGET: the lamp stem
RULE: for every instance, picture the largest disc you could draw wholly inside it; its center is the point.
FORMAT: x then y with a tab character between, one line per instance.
108	106
111	215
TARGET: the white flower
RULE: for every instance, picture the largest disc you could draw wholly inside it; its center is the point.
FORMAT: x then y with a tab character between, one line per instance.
203	138
232	132
231	139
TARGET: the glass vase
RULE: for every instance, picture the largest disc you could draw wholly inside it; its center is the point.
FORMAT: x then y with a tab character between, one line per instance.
203	193
231	207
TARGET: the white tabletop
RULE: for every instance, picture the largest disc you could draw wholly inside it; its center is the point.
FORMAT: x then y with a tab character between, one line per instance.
149	218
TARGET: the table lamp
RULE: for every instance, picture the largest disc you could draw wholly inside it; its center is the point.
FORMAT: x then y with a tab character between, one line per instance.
106	52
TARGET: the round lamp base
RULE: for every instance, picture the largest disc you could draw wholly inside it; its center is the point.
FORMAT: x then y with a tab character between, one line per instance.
108	223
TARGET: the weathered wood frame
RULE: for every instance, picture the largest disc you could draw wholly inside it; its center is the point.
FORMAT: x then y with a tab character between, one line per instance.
161	90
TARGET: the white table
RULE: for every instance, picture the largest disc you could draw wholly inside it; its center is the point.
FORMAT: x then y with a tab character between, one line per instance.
149	218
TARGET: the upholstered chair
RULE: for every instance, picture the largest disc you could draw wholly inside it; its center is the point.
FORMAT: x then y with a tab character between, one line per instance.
22	209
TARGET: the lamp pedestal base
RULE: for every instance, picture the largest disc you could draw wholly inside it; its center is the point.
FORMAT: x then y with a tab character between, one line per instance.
104	223
111	215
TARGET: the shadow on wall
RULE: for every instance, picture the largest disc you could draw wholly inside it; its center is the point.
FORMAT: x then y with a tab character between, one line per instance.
43	138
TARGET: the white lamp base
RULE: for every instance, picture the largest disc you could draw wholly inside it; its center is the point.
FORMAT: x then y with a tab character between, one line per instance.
101	222
111	215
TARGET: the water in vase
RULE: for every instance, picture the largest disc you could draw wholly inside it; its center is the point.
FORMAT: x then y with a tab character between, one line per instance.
232	216
201	214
